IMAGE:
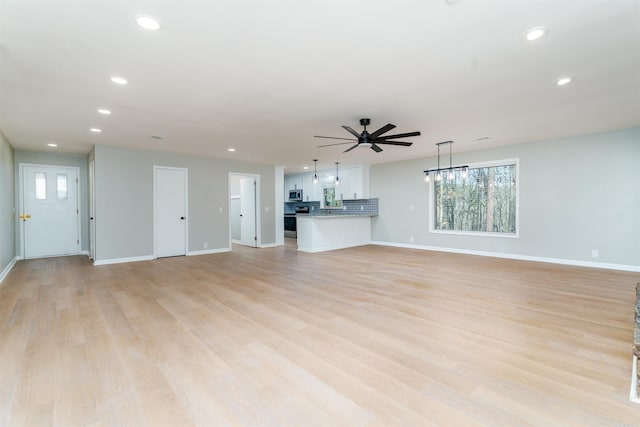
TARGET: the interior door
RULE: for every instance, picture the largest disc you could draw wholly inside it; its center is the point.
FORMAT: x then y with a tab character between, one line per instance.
170	211
248	235
50	215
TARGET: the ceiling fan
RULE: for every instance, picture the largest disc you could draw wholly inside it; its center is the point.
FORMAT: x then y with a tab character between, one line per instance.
373	140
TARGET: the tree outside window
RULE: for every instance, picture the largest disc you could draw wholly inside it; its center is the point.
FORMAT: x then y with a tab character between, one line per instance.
485	200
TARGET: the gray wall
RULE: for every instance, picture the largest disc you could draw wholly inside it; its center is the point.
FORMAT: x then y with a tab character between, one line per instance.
124	200
50	158
576	194
7	203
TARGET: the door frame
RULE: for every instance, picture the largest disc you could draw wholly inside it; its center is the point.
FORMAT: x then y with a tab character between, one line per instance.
155	207
21	240
92	210
257	205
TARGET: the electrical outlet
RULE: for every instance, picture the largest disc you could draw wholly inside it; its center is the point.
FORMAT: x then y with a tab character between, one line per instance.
411	239
344	208
220	210
595	253
410	207
267	208
361	207
205	245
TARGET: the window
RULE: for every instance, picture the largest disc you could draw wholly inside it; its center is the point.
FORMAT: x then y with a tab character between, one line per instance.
41	185
61	186
484	200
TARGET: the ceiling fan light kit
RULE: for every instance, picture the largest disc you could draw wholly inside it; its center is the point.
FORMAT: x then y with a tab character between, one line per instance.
371	140
450	171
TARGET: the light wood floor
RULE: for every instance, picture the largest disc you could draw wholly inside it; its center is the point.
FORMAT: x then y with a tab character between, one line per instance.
363	336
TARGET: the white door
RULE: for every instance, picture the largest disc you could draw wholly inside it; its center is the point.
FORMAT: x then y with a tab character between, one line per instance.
170	211
248	235
50	215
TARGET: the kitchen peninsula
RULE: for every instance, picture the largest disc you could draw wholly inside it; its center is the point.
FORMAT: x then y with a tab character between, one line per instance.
329	229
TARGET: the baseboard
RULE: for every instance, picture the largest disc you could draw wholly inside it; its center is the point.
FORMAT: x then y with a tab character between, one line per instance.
269	245
603	265
123	260
633	393
8	268
208	251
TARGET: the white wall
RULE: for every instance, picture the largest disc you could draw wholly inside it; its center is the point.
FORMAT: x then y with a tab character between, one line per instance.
576	194
7	203
124	200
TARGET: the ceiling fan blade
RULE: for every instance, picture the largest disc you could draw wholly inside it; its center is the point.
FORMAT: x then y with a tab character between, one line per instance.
350	148
382	130
351	131
401	135
404	144
330	145
334	137
375	148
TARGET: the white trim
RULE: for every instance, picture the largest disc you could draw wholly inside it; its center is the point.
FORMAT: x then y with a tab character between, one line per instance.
84	253
123	260
269	245
477	165
208	251
577	263
633	392
239	242
8	268
331	247
155	207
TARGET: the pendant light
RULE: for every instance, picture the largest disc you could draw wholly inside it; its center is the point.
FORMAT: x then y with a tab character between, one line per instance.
315	171
450	171
337	177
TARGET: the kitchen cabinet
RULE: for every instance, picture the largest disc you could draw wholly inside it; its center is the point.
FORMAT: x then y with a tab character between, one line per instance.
354	183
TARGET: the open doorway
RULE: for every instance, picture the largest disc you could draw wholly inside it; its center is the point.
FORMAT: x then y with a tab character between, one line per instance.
244	215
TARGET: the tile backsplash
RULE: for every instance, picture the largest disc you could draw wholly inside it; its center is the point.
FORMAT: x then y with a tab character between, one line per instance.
365	207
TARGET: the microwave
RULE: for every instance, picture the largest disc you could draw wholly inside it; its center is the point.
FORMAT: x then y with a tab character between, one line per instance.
295	195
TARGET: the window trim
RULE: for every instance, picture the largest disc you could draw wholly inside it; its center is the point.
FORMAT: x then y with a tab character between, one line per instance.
492	163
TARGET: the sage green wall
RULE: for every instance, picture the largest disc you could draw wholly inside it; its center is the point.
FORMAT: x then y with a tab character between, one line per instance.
576	194
7	203
124	200
50	158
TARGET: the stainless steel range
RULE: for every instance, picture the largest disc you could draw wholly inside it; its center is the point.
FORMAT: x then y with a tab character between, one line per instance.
290	227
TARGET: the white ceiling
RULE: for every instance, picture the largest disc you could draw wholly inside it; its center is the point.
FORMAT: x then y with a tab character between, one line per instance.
265	76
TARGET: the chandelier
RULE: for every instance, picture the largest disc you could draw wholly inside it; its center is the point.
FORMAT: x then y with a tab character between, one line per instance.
450	171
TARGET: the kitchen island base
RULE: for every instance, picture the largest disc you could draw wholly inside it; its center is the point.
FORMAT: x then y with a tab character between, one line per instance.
326	233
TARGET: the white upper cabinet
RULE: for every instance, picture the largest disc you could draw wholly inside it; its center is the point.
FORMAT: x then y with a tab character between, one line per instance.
354	184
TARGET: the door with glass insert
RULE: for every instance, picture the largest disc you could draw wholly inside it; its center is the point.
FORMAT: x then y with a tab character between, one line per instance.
49	216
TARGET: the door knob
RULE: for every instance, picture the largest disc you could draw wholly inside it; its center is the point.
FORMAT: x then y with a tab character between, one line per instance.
27	216
182	217
21	216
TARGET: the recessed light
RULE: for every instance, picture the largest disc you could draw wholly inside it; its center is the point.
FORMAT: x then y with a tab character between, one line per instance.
305	167
535	33
482	138
231	149
52	145
95	130
564	81
103	111
147	22
119	80
155	137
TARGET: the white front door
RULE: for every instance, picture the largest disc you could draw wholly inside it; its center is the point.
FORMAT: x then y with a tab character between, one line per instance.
50	216
170	211
248	235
